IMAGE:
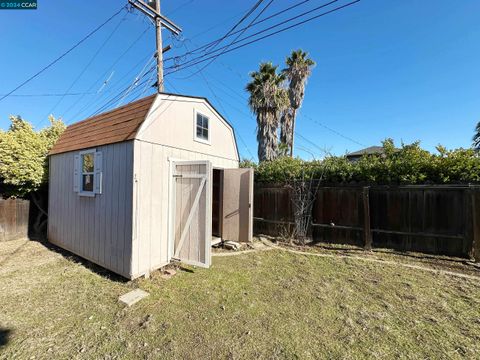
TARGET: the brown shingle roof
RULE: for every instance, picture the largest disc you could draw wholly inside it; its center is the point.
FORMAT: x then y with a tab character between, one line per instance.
107	128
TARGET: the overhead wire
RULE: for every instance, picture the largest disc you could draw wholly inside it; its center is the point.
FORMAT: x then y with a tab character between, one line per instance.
119	95
206	57
119	84
52	94
77	44
198	48
223	108
137	78
236	38
92	59
103	75
249	12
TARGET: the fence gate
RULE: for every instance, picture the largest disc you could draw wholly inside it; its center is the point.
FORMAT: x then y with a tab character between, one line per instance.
191	212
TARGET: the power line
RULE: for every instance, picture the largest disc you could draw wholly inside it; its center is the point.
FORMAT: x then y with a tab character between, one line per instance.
296	132
92	59
257	33
249	12
181	6
109	70
333	130
137	78
51	94
223	108
239	30
101	94
225	111
200	60
64	54
305	116
311	142
119	95
236	38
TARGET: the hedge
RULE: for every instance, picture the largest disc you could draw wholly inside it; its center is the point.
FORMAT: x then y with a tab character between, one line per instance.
410	164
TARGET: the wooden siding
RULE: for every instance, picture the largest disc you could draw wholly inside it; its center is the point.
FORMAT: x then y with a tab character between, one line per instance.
186	189
171	122
96	228
237	205
151	201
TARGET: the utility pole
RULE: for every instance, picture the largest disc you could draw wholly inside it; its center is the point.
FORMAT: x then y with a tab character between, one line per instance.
151	8
158	31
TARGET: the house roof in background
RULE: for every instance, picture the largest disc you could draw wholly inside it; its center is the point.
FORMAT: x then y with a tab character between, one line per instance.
110	127
368	151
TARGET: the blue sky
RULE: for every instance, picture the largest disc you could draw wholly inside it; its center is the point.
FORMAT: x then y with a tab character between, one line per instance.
401	69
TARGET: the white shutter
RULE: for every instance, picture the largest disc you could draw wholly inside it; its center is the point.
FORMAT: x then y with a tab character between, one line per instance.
76	173
98	165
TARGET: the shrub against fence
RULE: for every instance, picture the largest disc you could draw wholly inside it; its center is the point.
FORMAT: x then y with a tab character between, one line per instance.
13	218
425	218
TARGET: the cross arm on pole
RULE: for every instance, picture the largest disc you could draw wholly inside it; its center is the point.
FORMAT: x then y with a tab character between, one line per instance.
154	14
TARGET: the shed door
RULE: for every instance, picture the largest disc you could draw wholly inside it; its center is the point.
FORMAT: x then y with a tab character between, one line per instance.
237	205
192	209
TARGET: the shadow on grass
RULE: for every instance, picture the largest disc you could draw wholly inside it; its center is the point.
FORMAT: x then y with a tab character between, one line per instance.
4	336
353	249
97	269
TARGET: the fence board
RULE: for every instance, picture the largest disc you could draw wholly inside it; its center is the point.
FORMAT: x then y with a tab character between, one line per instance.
13	219
429	218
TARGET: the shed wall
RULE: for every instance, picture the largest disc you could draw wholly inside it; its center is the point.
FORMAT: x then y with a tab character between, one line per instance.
96	228
151	200
171	122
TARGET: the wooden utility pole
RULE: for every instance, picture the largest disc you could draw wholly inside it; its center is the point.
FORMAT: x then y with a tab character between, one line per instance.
151	8
158	30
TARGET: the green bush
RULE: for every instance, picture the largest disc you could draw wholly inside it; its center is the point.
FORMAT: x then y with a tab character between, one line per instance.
410	164
23	155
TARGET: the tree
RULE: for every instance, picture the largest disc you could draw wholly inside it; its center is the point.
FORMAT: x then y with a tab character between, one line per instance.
23	155
267	100
299	68
476	138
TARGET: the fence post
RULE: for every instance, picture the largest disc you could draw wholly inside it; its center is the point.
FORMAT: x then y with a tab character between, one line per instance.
476	224
367	234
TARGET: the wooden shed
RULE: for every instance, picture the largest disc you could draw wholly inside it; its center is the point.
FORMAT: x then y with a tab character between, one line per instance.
151	181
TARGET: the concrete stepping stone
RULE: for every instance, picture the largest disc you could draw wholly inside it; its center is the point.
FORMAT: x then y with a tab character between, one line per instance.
133	297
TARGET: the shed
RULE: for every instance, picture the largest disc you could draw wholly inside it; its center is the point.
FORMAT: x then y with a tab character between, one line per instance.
135	187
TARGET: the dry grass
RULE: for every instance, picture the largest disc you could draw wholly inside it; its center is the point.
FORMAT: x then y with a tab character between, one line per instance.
264	305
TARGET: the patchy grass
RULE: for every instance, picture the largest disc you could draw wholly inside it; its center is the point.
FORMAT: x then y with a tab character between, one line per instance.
269	304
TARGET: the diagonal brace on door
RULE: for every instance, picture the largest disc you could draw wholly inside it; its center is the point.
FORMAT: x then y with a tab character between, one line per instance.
190	216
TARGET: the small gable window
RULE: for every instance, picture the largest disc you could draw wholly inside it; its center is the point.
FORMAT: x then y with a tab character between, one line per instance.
87	174
202	128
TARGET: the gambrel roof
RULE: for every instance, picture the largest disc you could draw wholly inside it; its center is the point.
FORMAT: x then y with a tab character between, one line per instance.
113	126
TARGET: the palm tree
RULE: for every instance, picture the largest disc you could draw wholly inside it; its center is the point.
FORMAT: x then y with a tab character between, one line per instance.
476	138
267	100
299	68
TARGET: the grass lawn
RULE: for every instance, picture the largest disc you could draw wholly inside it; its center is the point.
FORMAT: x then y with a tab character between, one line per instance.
263	305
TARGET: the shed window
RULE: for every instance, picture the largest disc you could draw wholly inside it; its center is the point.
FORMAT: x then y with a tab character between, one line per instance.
88	174
202	128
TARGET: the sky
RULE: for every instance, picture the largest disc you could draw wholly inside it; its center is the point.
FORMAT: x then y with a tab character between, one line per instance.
406	70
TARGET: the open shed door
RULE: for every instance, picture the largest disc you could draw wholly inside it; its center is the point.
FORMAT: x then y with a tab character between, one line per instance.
237	205
192	209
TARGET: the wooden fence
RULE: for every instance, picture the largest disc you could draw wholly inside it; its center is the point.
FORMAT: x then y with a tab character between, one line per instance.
430	219
14	215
